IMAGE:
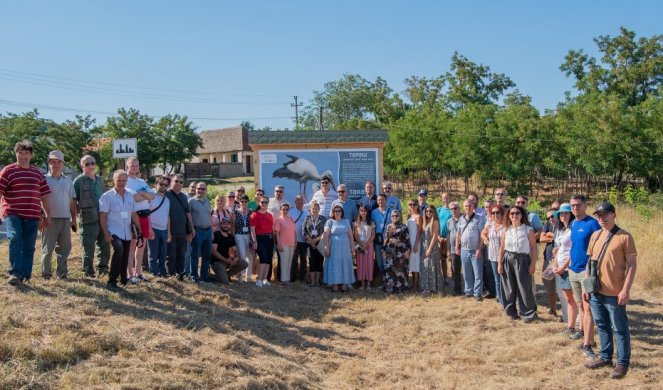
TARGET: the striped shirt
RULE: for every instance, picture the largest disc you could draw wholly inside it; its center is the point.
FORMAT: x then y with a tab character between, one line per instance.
325	201
22	189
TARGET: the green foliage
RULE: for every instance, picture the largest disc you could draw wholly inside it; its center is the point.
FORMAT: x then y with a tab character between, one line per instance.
613	195
635	196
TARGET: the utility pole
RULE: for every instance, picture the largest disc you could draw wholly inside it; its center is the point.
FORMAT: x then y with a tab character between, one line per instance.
296	105
320	124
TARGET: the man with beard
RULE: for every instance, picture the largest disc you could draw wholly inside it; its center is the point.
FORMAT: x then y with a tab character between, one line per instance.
224	261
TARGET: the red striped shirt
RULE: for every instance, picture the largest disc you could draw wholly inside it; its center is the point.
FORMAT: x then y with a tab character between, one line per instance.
21	190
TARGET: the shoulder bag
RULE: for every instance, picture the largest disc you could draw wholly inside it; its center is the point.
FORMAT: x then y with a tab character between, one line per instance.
592	284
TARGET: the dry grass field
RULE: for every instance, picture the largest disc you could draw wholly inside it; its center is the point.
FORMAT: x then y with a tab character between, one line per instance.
74	334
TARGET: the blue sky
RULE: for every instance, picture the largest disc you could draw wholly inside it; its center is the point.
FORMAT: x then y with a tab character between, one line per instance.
244	60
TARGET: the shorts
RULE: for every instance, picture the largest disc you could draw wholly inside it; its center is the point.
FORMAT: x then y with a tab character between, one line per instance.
563	281
144	226
576	279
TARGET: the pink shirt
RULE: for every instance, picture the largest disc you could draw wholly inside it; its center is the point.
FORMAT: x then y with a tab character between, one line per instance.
286	228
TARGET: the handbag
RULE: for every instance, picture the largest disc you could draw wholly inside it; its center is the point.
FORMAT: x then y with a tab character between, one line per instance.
592	284
321	247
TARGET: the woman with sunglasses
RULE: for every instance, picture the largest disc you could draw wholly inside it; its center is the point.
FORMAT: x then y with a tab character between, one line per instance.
339	247
414	230
242	218
431	275
516	265
312	228
364	231
492	235
396	252
262	234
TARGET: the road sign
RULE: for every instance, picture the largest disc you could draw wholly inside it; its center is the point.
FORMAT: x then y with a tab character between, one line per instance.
124	148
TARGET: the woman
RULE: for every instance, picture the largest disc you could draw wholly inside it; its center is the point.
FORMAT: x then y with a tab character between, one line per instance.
562	256
284	229
516	265
431	275
262	231
395	253
312	228
364	231
243	236
230	205
414	230
219	212
492	234
339	247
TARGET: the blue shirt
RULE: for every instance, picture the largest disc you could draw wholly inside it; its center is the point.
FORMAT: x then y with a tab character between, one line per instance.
535	221
443	214
581	231
370	203
299	217
393	203
349	209
379	218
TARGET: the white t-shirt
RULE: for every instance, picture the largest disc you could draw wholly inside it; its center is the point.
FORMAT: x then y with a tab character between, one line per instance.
137	185
159	219
563	243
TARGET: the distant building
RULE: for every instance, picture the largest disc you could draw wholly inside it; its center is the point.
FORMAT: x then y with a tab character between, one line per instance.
229	145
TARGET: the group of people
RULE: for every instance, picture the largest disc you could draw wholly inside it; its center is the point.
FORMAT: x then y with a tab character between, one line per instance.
492	250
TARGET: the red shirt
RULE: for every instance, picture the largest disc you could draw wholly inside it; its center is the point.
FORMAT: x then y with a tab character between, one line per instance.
22	189
264	223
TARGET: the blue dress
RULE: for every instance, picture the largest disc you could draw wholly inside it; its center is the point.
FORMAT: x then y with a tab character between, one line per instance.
338	266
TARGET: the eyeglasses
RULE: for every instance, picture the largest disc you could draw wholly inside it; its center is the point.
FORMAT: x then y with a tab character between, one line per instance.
324	182
500	194
231	196
387	188
453	208
90	164
411	204
338	211
179	181
341	191
202	189
243	201
278	191
264	202
163	184
514	213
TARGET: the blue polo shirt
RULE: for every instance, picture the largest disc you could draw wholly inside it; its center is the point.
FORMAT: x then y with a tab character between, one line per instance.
581	231
443	214
381	219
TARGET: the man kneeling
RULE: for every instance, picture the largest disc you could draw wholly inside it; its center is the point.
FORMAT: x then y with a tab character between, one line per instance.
225	261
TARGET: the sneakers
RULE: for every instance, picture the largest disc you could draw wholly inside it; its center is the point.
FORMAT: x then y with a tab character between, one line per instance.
133	280
598	363
568	331
259	283
14	281
577	335
90	274
143	278
266	283
619	372
589	352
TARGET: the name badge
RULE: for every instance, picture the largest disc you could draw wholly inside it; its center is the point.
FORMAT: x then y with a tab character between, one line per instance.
314	232
245	229
124	214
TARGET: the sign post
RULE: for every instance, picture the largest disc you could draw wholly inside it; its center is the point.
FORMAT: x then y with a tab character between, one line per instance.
125	148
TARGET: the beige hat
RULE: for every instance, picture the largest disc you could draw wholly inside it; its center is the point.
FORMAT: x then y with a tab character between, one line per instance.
56	155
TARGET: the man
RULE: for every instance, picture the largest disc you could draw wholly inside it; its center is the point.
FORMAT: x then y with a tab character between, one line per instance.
533	218
469	246
421	199
225	261
500	198
63	217
443	214
349	207
381	217
22	189
548	237
192	190
181	228
325	196
582	229
142	197
393	203
370	200
117	214
274	208
488	276
299	214
88	188
202	233
254	205
160	224
454	258
474	197
241	191
616	272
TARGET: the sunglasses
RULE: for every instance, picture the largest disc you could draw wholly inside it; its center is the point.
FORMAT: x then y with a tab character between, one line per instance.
264	202
387	188
500	194
201	189
231	196
278	191
395	216
341	192
412	204
514	213
90	164
163	184
179	181
285	208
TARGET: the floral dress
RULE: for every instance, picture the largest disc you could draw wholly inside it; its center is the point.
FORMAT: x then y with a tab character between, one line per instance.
431	277
396	244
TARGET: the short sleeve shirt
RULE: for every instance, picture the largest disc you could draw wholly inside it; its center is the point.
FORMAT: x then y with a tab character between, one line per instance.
223	245
299	217
443	214
581	232
62	192
119	209
179	207
470	229
612	274
263	222
159	218
286	228
139	185
452	229
21	190
201	213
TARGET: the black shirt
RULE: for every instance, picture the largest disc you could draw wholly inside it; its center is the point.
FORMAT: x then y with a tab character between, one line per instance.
223	245
179	207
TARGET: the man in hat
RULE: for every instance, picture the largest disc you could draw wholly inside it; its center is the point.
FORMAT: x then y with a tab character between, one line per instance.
21	210
57	236
616	271
421	198
88	188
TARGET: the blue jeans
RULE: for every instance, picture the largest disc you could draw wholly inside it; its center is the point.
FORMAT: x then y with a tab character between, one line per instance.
611	317
202	244
472	272
378	259
22	235
498	287
158	252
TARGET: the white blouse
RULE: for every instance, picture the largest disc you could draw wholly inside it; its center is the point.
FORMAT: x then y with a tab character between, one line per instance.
516	239
563	243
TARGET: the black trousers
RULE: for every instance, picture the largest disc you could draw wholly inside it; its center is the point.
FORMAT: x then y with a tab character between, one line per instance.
299	262
175	257
119	260
316	260
456	267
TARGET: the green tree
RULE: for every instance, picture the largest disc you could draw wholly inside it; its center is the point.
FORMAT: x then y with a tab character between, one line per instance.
178	139
130	123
